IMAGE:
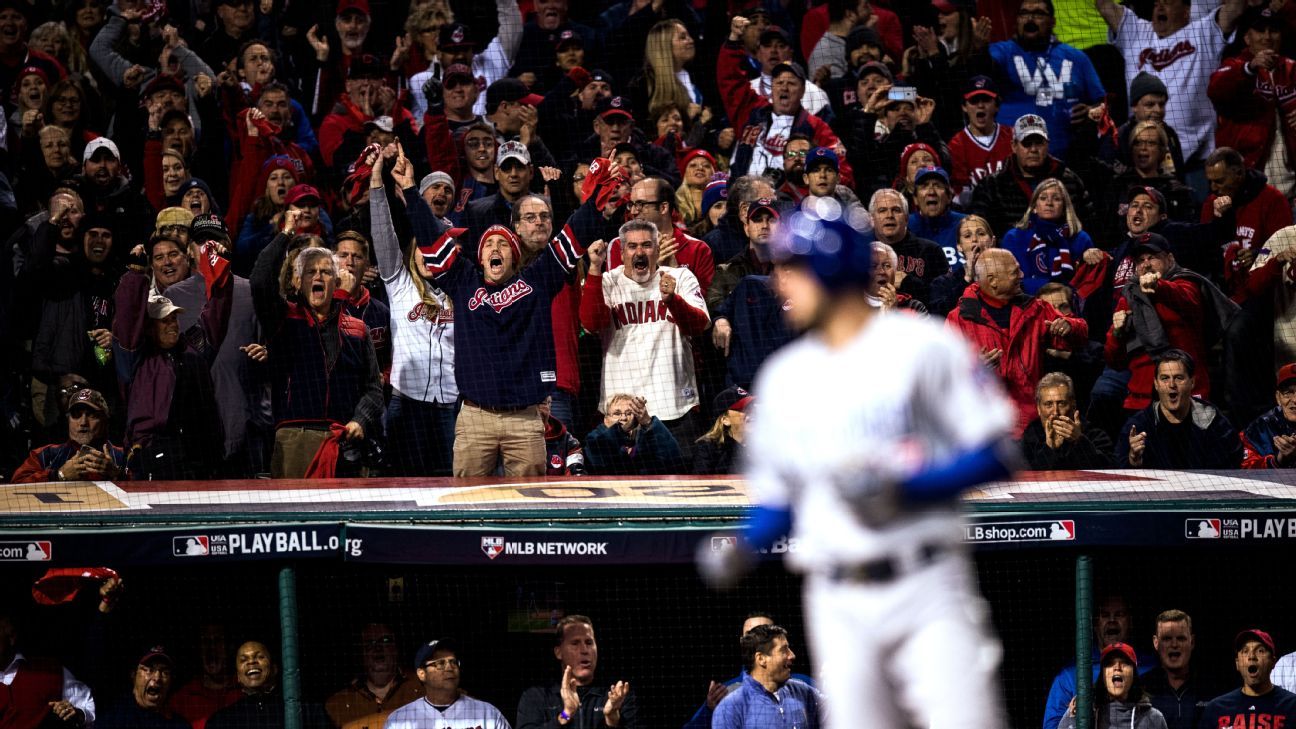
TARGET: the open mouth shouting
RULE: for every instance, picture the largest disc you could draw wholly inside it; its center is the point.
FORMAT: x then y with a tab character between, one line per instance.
640	265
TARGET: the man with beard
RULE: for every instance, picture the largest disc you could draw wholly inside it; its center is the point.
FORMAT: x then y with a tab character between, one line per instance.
86	455
438	190
262	705
932	217
1040	76
646	314
1259	702
1178	431
1002	198
768	695
1182	52
792	187
1112	623
982	147
146	706
383	687
920	260
106	188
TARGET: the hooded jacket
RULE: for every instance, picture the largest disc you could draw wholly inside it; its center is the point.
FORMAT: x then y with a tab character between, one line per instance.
1258	449
1122	715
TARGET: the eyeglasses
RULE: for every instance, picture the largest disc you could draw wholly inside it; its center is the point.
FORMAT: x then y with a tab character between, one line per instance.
478	142
794	155
378	642
621	413
442	664
537	217
641	204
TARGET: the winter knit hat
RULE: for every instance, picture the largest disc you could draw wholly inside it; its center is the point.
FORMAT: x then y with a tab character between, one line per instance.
716	191
509	236
694	154
278	162
910	150
1144	84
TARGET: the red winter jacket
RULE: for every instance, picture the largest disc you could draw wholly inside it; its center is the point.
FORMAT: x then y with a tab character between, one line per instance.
1260	211
1023	342
1179	306
1246	103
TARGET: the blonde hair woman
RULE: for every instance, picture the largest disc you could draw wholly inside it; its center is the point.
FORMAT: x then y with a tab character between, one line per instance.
669	48
1048	241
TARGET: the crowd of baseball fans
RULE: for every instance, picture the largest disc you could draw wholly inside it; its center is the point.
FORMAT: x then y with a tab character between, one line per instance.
431	237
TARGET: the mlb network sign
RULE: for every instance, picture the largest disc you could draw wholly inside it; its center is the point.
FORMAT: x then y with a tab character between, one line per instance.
25	551
493	547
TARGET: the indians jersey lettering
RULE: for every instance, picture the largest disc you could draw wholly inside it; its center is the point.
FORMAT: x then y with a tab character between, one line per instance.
1184	61
502	299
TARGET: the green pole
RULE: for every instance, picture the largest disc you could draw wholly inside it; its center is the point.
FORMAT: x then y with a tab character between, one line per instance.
291	664
1083	642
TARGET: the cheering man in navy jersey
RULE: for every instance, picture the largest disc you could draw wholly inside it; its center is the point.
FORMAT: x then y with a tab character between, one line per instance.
504	352
1258	703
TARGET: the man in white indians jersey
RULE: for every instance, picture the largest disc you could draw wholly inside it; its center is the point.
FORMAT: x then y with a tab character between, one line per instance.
443	706
981	147
1183	53
646	314
867	479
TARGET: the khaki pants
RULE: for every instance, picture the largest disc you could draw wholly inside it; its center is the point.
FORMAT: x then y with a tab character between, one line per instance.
484	437
294	449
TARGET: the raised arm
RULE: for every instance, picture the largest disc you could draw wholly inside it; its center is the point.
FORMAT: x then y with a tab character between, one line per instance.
1228	15
1111	12
270	307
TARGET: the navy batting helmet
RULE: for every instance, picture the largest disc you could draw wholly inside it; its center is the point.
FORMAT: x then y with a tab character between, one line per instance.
836	244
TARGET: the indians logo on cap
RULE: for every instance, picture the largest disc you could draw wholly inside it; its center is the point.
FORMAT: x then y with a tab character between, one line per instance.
457	35
566	35
616	102
492	546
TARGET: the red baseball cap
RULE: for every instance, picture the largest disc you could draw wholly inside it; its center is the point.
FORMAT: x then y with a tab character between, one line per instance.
1254	634
359	6
302	192
1120	649
1286	374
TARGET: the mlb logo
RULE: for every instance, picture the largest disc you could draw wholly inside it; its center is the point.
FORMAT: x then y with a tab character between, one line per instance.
194	546
1202	528
38	552
492	546
1062	530
723	544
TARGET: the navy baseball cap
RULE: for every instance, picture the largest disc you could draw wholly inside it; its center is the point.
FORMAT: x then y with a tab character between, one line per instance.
877	67
1150	243
763	203
927	173
822	156
980	86
426	651
567	38
455	35
367	65
1136	190
791	67
774	33
614	106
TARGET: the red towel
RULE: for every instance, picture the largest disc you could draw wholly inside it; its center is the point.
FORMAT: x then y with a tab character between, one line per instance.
324	465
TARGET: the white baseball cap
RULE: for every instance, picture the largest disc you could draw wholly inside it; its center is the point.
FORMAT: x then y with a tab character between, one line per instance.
1029	125
513	150
160	307
97	144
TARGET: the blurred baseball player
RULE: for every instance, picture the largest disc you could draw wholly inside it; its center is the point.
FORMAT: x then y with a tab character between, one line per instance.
870	426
